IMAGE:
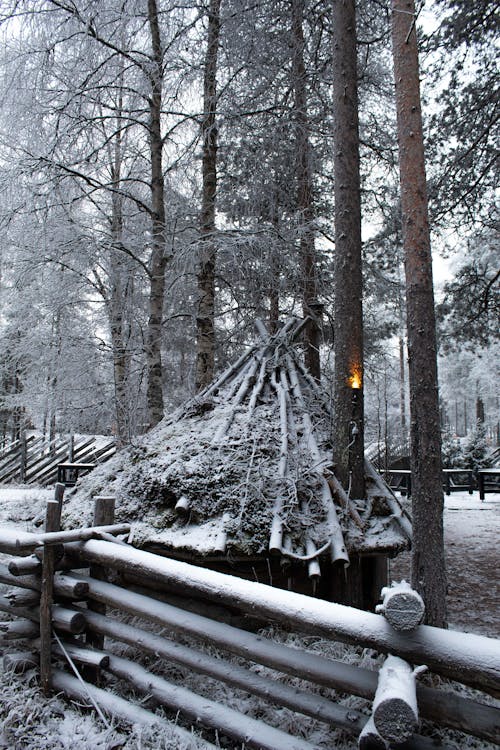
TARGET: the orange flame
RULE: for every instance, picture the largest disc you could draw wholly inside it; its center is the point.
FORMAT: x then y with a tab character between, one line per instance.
355	380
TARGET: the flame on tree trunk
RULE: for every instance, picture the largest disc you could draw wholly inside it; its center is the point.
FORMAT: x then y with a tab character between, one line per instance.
348	345
428	567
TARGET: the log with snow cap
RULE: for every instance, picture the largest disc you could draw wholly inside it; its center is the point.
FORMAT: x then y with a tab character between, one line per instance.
395	711
472	659
402	606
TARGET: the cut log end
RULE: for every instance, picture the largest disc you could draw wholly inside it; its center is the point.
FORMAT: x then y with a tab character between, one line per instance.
402	607
395	720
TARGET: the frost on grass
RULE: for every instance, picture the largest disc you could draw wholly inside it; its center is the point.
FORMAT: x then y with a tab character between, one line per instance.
30	721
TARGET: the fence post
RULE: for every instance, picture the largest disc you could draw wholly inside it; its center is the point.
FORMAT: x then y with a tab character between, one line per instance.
71	448
52	523
104	515
23	457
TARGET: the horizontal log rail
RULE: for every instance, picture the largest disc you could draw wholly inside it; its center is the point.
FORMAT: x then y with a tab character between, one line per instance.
14	542
471	659
466	658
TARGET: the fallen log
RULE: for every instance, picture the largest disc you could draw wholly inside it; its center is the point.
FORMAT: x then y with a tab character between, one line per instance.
254	733
466	657
448	709
395	711
402	606
124	710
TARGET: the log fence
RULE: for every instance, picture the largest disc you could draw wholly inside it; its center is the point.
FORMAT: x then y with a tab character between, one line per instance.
70	591
34	460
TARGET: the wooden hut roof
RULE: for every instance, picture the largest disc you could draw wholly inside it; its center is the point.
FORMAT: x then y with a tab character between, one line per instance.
244	468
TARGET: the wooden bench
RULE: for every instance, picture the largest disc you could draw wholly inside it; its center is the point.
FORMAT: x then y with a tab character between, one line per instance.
67	473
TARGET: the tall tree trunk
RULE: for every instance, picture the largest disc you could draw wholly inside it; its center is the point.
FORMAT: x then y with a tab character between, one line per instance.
348	428
402	386
116	297
304	194
158	260
428	567
205	323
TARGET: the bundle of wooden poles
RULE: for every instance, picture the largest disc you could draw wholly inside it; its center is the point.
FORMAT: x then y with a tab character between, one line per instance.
62	607
271	364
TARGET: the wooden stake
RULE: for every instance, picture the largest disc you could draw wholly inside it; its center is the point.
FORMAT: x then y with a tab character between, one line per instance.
104	515
52	523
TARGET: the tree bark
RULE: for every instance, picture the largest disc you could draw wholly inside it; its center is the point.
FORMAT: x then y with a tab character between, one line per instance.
158	261
205	323
348	429
304	193
115	303
428	566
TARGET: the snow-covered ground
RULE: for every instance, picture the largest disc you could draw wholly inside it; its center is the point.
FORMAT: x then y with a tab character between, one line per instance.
31	722
472	535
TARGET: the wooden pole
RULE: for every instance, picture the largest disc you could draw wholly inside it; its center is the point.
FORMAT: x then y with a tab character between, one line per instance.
23	458
395	712
253	732
124	710
104	515
217	668
52	523
469	658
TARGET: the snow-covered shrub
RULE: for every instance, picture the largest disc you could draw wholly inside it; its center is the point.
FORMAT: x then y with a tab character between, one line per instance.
451	451
476	450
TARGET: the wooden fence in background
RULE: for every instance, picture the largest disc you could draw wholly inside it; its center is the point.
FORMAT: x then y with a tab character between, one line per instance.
34	460
62	606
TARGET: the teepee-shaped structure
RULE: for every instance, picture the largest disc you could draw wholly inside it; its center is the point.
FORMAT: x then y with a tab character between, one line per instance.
241	479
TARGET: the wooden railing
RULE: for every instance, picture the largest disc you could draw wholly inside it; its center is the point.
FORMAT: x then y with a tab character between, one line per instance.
454	480
62	608
34	460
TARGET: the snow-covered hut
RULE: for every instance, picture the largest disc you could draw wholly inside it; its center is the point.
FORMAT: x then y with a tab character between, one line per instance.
240	479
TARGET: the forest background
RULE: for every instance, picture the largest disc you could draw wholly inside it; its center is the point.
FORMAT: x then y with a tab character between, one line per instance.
164	164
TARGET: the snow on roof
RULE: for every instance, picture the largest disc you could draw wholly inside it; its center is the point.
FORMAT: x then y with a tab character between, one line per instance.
245	468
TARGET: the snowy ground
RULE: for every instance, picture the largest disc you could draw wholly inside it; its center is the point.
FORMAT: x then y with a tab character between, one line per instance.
472	534
30	722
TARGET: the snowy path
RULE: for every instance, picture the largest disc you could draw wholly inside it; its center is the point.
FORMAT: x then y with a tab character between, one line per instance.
472	536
